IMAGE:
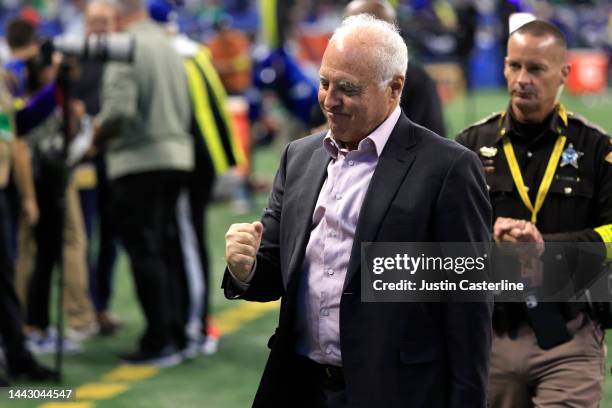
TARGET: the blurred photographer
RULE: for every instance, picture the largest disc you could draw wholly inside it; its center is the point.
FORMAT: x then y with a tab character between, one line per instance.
39	123
145	123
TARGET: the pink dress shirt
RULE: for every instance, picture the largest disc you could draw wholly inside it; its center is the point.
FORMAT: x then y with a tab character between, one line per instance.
328	251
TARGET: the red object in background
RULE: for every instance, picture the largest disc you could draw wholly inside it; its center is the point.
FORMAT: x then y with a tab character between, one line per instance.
589	72
30	15
212	330
312	45
239	112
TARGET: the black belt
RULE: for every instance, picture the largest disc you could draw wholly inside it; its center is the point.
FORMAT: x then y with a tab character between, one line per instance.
326	374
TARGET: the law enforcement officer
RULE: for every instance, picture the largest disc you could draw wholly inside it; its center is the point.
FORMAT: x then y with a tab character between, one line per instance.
550	179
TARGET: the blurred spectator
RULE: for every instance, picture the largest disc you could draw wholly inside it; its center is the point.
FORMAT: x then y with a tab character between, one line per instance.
230	51
465	32
216	151
71	16
100	17
145	120
41	247
22	40
20	362
420	100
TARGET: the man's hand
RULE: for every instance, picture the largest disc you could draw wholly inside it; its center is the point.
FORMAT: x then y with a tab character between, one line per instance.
242	242
519	231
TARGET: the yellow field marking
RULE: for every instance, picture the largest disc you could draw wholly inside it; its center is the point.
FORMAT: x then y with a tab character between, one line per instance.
118	380
100	391
130	373
79	404
230	320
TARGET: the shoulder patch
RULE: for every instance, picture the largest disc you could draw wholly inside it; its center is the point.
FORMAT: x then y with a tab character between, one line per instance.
486	119
608	158
579	118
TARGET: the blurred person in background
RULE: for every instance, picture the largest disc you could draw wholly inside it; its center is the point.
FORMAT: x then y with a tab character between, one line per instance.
71	14
544	354
23	45
144	125
42	247
420	100
21	365
100	18
22	40
231	56
216	152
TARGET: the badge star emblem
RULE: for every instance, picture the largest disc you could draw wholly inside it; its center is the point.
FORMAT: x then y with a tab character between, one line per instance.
488	152
570	156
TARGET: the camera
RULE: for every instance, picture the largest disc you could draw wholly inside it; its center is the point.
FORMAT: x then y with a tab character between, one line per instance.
98	47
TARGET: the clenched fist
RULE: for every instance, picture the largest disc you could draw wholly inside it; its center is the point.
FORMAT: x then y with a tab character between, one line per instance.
241	245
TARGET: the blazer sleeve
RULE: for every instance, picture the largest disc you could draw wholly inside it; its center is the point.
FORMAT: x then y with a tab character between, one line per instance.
463	214
266	284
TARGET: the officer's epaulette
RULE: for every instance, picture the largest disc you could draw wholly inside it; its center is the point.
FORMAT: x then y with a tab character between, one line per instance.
486	119
579	118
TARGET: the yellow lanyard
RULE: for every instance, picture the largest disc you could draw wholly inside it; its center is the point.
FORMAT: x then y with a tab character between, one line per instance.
546	181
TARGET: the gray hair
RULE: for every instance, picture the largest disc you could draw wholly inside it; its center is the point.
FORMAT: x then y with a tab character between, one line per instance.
385	43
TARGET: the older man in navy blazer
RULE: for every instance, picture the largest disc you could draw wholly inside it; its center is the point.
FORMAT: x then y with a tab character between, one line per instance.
374	177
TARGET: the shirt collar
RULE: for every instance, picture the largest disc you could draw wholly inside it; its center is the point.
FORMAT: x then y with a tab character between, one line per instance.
558	123
378	138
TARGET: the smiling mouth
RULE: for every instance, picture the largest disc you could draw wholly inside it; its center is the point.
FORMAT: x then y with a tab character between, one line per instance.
334	115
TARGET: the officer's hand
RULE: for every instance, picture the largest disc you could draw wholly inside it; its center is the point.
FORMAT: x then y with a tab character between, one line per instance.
507	232
242	242
503	226
530	234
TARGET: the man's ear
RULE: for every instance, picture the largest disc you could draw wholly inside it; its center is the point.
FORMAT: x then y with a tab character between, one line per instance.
565	71
396	85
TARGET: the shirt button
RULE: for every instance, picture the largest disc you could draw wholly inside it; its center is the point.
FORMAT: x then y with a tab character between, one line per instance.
328	350
324	312
351	163
330	272
338	197
529	155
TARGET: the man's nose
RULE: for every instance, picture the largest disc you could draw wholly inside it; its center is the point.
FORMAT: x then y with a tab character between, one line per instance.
523	77
331	99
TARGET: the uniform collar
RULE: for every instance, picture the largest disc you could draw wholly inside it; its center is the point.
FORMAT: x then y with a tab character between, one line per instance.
558	123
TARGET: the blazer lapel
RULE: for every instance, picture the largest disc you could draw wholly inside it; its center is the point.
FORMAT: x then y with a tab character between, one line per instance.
393	165
314	177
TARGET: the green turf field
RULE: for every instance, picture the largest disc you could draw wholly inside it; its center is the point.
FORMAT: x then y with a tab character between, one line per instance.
229	378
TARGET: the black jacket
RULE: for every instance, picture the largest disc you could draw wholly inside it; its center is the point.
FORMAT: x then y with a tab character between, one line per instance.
425	188
579	199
